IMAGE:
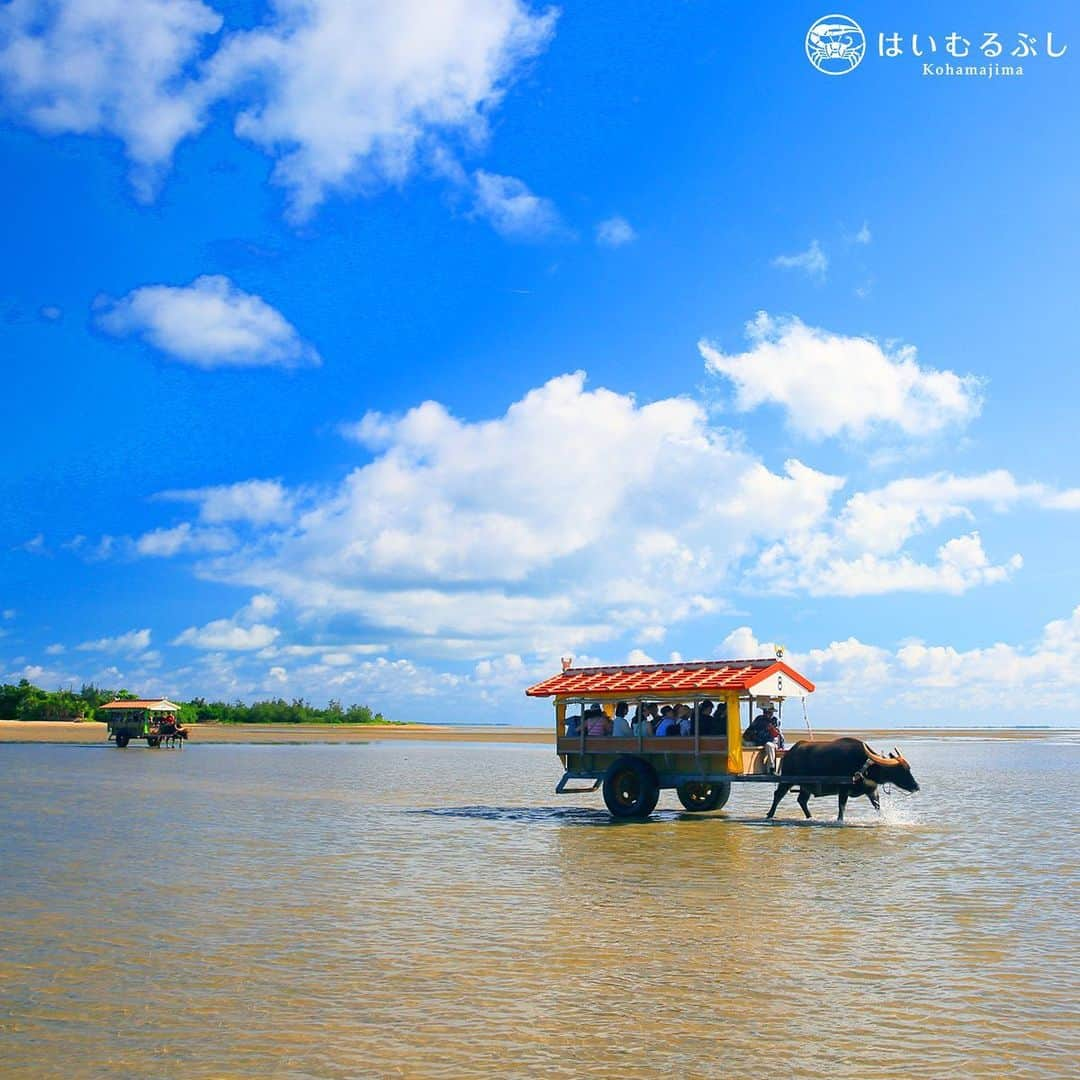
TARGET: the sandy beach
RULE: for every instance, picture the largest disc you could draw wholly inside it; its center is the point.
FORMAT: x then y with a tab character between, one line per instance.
30	731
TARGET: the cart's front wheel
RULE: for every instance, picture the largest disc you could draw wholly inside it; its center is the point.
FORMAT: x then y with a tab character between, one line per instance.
153	741
699	797
122	740
630	788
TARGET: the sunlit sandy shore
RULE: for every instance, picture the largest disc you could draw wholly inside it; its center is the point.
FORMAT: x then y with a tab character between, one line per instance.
18	731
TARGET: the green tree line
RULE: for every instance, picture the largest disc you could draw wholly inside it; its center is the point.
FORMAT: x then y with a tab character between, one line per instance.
24	701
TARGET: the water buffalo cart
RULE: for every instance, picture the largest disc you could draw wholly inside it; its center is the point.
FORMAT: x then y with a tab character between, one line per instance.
153	719
601	740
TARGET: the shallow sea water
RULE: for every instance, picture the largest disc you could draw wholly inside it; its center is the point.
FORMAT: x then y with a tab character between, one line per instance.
434	910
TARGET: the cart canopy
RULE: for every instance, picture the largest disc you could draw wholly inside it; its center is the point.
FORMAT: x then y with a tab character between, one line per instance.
751	678
142	704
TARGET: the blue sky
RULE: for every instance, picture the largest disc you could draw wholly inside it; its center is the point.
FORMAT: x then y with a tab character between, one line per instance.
295	296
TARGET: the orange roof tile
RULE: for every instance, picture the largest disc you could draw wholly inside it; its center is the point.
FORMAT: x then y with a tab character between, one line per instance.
700	676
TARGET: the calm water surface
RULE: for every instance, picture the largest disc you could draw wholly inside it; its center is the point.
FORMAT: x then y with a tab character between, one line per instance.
434	910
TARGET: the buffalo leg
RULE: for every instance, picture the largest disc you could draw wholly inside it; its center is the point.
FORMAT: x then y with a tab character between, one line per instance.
781	791
804	801
842	798
875	802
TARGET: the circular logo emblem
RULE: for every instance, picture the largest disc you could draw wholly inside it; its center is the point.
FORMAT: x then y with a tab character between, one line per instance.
835	44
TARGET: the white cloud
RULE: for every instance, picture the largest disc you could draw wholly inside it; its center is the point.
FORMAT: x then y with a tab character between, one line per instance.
346	94
133	641
501	534
342	95
813	261
860	551
815	566
741	644
259	502
615	232
209	323
55	650
830	384
51	312
115	67
512	209
229	635
243	632
972	685
882	520
863	236
182	538
464	539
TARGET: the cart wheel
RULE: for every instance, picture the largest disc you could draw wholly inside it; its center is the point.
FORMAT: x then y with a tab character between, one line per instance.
630	788
153	741
122	740
699	798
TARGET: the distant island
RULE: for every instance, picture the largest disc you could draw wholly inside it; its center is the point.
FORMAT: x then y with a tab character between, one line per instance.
24	701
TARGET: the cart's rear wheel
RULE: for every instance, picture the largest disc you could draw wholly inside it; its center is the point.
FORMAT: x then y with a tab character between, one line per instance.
700	797
122	740
630	788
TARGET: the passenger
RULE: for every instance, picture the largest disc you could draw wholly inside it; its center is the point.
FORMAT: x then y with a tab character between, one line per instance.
620	725
596	723
668	724
643	720
573	725
685	716
706	720
765	732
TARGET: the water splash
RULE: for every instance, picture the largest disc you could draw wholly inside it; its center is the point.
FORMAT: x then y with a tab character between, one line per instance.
898	809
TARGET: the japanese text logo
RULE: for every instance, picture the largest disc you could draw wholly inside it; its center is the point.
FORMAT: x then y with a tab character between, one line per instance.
835	44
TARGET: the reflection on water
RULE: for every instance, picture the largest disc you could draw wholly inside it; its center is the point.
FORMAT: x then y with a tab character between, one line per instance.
433	910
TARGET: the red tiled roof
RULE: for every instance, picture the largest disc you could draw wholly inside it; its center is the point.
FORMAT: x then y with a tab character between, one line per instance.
703	675
139	703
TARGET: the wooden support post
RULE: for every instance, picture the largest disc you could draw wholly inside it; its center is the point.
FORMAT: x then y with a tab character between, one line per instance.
560	719
734	733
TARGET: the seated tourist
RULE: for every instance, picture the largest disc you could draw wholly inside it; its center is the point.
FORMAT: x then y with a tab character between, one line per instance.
621	725
668	724
764	731
685	717
573	725
706	720
596	723
642	723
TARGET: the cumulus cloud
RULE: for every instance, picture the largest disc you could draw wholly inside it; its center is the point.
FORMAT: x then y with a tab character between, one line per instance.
108	67
243	632
227	634
882	520
182	539
512	209
209	323
467	536
463	539
830	384
258	502
969	683
134	641
615	232
341	95
813	261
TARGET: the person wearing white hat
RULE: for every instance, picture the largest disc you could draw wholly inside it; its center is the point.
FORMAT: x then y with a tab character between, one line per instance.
765	732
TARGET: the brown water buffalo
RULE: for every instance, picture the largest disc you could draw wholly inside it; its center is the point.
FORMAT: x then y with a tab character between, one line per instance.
842	757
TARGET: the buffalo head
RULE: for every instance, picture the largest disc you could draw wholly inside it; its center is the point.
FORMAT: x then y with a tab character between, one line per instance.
893	769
